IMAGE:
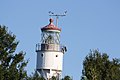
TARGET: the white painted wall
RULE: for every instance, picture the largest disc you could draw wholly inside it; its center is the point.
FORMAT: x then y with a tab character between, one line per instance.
49	60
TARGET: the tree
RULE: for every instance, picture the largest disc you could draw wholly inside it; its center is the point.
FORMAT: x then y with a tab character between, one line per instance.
53	78
35	76
67	78
11	65
97	66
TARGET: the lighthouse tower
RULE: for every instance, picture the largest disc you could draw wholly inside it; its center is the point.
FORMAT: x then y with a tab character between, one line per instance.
50	52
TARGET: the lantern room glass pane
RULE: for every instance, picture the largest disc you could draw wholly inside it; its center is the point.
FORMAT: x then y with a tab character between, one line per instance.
50	37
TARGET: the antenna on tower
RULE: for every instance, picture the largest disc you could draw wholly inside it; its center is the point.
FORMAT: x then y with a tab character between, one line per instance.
57	15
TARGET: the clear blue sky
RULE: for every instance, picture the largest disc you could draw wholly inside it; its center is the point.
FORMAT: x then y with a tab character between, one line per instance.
89	24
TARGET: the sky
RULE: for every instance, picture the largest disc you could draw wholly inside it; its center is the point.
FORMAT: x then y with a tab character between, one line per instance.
88	24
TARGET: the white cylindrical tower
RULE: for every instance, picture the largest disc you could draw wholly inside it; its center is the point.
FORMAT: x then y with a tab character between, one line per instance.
50	52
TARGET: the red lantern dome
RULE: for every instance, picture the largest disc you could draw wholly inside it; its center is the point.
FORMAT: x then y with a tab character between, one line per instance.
50	26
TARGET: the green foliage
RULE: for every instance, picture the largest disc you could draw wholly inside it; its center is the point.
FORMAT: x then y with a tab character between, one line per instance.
84	78
11	65
54	78
67	78
35	76
97	66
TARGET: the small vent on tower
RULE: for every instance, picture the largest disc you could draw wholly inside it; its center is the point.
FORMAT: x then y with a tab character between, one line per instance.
42	55
56	55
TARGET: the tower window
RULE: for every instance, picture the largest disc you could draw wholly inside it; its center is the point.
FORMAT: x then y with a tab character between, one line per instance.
56	55
42	55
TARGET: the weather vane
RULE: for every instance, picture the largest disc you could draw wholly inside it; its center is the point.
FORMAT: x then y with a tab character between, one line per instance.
57	15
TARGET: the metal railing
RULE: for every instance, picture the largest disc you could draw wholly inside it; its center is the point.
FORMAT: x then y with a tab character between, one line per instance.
50	47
